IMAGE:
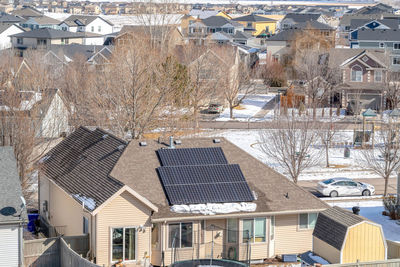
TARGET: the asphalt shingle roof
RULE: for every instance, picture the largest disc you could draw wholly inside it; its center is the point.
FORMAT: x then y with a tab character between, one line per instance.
7	18
84	19
216	21
81	163
378	35
312	25
10	189
391	23
253	18
286	35
302	17
332	224
47	33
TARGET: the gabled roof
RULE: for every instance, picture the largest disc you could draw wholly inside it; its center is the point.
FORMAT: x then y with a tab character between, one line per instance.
217	21
241	35
286	35
4	27
27	12
44	20
203	14
378	35
302	17
332	225
270	186
391	23
81	164
221	36
10	189
82	20
73	51
254	18
378	61
312	25
48	33
7	18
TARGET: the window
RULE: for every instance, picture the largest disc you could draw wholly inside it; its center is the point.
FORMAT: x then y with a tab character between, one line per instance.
64	28
378	76
232	230
180	235
307	220
356	74
381	45
249	25
365	58
85	225
396	46
272	228
99	28
64	41
254	230
396	61
20	41
155	243
41	41
92	29
123	242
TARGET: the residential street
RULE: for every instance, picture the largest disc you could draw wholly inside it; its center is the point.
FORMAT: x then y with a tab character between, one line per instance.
378	183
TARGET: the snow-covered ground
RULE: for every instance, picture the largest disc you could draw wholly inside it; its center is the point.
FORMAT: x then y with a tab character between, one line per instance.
249	107
249	141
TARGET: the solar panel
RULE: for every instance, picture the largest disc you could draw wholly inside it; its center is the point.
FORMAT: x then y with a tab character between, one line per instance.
204	184
191	156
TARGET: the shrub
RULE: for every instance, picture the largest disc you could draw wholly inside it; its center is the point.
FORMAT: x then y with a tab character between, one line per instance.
391	207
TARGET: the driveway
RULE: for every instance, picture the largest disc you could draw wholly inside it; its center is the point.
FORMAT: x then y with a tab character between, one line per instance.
379	184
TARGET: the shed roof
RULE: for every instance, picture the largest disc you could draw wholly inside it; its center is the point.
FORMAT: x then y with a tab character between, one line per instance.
10	189
332	225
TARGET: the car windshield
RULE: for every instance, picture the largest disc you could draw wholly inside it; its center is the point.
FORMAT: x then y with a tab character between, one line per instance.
329	181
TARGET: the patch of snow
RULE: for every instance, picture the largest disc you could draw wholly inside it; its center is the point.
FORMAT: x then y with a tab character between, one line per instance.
87	202
214	208
349	204
249	107
317	259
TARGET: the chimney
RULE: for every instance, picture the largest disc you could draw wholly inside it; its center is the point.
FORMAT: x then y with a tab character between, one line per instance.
171	142
356	210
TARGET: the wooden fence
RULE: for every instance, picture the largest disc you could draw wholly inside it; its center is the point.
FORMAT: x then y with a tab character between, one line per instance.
57	252
387	263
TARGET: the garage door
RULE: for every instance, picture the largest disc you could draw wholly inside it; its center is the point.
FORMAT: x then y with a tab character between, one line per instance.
8	246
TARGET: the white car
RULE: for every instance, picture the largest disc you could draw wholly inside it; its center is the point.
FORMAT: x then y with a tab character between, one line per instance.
344	187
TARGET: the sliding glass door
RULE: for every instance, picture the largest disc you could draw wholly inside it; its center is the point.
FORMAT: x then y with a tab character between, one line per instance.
123	244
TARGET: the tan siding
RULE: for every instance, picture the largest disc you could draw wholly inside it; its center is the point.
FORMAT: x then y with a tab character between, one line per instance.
325	250
64	212
123	211
288	238
364	242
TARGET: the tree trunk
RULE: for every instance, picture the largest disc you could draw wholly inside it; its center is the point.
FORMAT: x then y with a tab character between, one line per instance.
195	115
230	111
314	111
327	154
386	186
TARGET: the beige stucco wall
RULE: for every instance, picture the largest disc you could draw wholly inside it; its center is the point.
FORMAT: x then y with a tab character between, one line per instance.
63	211
325	250
123	211
289	239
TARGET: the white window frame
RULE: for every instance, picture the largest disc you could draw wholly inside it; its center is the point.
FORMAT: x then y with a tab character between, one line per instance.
351	74
180	234
99	28
396	44
254	229
236	231
123	242
378	71
398	60
85	225
272	228
308	221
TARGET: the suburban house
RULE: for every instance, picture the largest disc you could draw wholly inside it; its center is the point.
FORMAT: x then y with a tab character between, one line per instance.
363	74
130	199
13	216
41	22
292	19
257	24
42	38
84	23
27	12
10	19
5	31
343	237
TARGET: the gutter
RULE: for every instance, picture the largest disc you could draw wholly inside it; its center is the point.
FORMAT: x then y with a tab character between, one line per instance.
22	222
235	215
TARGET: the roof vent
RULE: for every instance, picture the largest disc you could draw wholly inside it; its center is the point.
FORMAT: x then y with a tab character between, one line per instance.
143	143
171	142
217	141
178	142
121	147
104	136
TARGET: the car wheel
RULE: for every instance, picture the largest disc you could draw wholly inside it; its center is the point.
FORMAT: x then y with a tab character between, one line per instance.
333	194
366	193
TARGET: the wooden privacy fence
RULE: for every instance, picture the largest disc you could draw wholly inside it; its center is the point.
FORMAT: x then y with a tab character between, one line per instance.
387	263
57	252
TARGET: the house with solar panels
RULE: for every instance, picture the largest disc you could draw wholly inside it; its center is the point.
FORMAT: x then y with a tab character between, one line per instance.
167	201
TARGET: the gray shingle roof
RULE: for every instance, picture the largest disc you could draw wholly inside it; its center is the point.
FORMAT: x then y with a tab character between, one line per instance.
73	51
10	189
286	35
391	23
203	14
216	21
4	27
332	224
253	18
84	19
378	35
49	34
81	163
7	18
302	17
312	25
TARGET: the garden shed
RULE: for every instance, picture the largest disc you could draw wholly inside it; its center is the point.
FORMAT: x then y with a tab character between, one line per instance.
341	236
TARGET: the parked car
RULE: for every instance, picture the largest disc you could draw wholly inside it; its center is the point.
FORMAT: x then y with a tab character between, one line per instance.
344	187
215	108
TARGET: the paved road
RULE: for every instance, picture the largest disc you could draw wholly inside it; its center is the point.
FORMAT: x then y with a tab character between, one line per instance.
377	182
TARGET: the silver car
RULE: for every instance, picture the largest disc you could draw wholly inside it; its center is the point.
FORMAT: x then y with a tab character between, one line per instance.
344	187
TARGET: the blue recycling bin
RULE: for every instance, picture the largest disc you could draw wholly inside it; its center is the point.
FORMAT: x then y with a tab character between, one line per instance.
32	217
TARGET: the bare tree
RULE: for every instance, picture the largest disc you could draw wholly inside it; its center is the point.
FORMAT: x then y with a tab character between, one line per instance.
289	142
326	135
272	72
383	158
392	87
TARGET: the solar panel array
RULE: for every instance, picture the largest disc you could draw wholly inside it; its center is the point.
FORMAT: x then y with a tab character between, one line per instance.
191	156
201	175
